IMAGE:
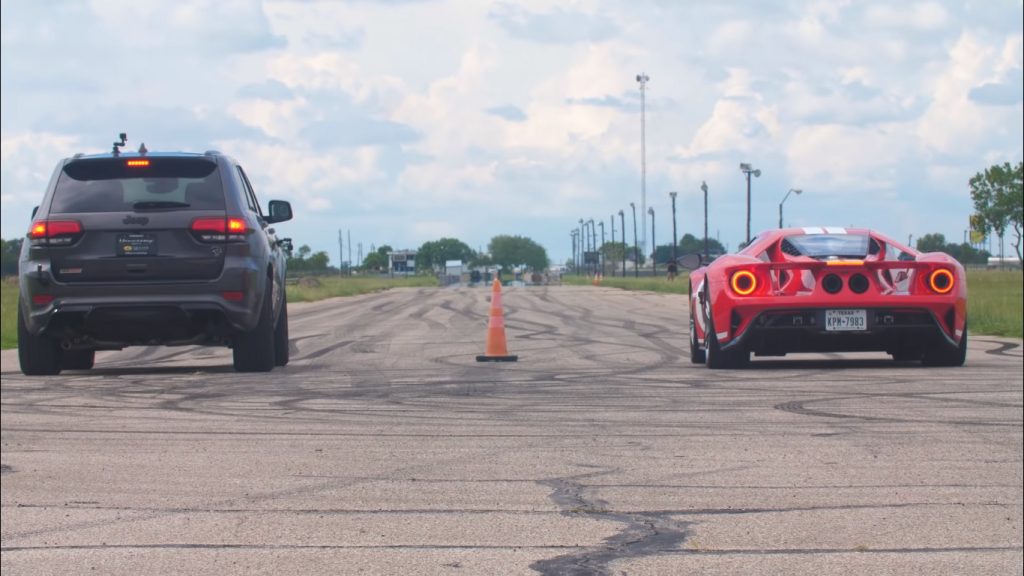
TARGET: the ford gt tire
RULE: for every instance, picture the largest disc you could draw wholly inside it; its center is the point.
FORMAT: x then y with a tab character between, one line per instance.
942	354
697	355
718	359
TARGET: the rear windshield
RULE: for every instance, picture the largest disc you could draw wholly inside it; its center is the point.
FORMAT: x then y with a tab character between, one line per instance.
831	245
111	185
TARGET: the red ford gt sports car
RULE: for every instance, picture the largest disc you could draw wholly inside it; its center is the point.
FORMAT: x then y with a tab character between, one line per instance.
828	290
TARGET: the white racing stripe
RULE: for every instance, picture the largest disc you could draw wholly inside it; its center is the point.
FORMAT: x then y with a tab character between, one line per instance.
834	230
813	230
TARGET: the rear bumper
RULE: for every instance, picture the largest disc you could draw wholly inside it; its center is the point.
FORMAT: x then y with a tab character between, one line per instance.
117	315
888	329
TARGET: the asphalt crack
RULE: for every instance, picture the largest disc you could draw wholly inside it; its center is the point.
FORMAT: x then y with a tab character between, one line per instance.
643	533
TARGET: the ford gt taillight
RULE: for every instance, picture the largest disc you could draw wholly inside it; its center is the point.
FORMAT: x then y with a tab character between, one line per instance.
941	281
743	282
54	232
219	229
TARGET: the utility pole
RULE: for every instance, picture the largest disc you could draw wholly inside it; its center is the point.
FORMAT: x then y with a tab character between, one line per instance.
704	187
349	233
341	252
613	242
746	169
600	250
636	249
654	244
622	217
675	243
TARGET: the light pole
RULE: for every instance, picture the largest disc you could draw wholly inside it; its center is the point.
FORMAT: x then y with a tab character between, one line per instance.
746	169
613	242
600	250
704	188
573	234
642	79
583	246
622	218
797	191
636	250
675	243
654	244
593	241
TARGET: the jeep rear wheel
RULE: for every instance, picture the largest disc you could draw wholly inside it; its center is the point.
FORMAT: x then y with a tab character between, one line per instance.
79	359
281	351
38	355
254	351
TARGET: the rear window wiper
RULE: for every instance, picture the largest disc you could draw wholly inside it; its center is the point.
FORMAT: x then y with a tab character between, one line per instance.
157	204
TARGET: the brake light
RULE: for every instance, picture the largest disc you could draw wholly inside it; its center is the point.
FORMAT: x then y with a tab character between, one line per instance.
233	296
941	281
137	163
54	232
743	282
219	229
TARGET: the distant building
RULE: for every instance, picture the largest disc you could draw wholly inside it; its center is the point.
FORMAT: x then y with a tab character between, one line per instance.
402	262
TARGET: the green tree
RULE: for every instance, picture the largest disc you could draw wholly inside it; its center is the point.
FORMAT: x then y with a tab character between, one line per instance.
318	261
11	253
434	254
297	262
690	244
997	196
964	253
614	251
376	261
932	243
511	251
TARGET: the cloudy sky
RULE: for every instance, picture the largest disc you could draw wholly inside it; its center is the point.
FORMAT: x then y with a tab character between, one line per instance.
406	121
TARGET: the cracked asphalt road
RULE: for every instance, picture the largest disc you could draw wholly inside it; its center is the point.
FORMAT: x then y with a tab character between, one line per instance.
385	448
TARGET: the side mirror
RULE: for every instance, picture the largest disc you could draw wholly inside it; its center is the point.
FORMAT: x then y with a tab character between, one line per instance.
280	211
690	261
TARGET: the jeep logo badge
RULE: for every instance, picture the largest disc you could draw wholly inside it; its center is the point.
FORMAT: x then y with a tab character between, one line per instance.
139	221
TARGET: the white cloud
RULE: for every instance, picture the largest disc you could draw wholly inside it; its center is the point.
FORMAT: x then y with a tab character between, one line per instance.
833	159
953	121
28	160
922	15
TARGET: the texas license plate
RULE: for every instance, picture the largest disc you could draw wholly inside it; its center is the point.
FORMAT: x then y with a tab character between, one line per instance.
136	244
846	320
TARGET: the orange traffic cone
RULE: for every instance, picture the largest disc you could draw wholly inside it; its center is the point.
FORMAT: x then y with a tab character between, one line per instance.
497	350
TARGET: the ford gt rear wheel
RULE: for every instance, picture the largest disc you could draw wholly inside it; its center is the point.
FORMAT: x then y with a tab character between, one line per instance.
943	354
718	359
697	355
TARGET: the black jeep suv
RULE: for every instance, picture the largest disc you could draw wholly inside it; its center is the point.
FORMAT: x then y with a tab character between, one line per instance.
151	249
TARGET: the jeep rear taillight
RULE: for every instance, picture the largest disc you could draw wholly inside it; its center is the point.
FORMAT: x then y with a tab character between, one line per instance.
55	232
219	229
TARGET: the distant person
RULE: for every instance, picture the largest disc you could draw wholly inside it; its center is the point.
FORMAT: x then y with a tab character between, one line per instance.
672	271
